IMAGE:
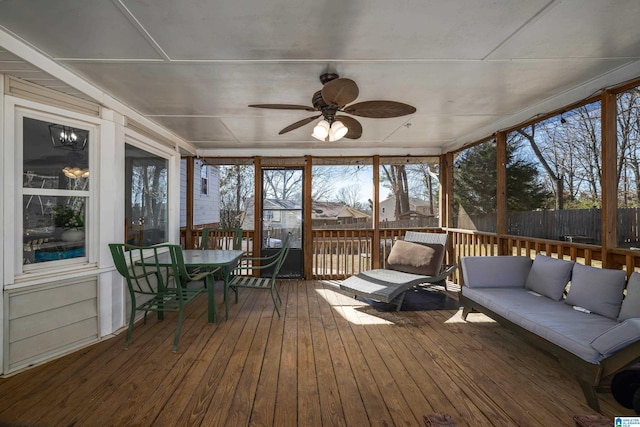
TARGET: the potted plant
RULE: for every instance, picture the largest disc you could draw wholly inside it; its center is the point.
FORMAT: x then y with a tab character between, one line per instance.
71	220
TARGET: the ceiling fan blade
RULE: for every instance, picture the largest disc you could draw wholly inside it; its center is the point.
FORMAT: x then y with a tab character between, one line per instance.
298	124
354	126
283	107
340	92
379	109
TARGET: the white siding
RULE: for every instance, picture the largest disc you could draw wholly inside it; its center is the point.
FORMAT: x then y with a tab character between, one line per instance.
49	320
206	207
183	193
388	209
50	311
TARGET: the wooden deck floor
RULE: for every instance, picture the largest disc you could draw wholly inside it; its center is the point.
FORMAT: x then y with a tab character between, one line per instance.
330	360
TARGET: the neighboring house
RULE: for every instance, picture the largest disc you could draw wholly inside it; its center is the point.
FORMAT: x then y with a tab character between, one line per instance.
322	213
279	214
206	194
336	213
418	208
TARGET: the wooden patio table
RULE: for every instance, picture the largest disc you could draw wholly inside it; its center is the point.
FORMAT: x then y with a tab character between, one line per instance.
209	258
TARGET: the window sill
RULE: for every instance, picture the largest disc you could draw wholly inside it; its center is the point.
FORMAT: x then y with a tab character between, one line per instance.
34	278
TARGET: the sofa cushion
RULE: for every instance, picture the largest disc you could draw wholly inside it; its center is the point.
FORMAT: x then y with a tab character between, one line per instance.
617	337
554	321
423	259
549	276
495	271
599	290
631	302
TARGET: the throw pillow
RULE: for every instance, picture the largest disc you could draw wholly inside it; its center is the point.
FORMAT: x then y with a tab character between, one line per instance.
423	259
599	290
549	276
631	303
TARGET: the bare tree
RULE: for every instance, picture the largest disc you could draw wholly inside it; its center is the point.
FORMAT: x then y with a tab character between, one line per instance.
236	186
554	176
396	179
350	196
426	183
282	184
628	128
585	133
323	180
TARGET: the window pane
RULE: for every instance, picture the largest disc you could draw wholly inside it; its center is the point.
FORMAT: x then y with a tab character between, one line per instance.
474	188
236	202
55	160
53	228
341	195
554	170
55	156
341	212
629	166
409	192
146	197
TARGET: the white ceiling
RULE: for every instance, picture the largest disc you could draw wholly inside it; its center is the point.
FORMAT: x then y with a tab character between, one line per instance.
470	67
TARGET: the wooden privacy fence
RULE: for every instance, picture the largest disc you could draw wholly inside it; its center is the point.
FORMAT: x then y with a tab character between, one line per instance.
577	225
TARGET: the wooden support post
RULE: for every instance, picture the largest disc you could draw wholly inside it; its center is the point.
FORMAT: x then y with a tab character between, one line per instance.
307	229
189	205
257	208
375	245
609	178
501	191
446	191
446	203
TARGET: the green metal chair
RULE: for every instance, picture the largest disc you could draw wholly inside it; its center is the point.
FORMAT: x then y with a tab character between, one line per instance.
242	276
150	273
221	238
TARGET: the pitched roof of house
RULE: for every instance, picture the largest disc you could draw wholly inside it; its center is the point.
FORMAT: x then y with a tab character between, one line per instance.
319	210
334	210
412	200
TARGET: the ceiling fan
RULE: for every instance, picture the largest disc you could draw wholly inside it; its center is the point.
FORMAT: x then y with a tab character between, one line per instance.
336	93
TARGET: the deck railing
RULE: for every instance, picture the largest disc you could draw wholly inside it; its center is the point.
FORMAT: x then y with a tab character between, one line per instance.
340	253
474	243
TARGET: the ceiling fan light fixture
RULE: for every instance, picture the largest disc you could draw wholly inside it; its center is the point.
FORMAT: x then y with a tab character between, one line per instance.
337	131
321	131
336	96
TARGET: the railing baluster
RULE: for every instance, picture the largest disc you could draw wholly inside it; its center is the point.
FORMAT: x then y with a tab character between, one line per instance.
335	251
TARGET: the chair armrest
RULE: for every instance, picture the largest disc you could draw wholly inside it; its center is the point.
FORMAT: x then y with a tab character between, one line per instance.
446	271
270	263
196	276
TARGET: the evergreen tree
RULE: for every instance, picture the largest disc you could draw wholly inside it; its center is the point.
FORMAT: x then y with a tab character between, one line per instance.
475	181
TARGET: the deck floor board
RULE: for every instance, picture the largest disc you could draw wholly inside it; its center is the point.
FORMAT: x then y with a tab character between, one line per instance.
329	360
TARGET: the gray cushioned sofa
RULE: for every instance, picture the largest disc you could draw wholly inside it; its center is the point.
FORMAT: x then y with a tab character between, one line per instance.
577	313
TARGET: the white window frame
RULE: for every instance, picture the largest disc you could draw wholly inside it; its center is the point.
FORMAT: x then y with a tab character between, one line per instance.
142	142
15	110
204	180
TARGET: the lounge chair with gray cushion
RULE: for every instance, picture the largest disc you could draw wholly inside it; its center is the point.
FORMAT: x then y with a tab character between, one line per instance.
416	260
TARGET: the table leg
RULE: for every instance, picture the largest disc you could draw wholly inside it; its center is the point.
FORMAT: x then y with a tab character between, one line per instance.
226	273
211	310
